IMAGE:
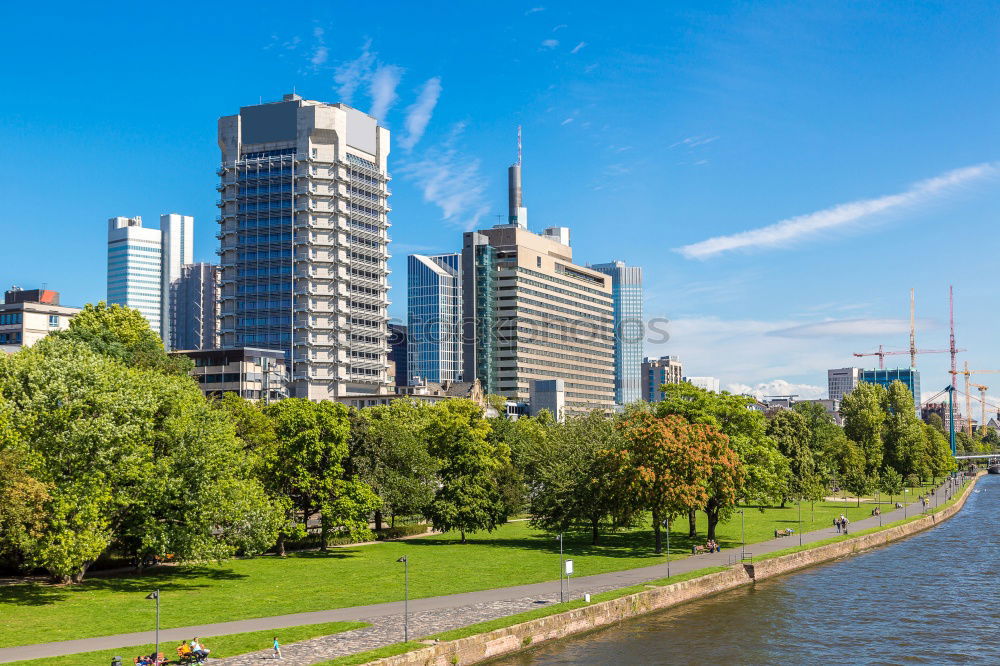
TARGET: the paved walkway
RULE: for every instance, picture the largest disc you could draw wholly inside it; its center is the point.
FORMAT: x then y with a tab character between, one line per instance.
433	614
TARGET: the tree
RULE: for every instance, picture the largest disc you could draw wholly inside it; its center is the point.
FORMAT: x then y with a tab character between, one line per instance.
122	333
859	483
790	431
934	420
581	477
129	457
864	412
23	500
388	452
891	482
307	467
904	439
939	460
468	498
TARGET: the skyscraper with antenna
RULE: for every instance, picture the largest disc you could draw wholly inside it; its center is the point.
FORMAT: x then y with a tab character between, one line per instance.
517	213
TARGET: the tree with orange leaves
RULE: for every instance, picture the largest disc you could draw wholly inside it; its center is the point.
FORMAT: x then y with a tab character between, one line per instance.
672	464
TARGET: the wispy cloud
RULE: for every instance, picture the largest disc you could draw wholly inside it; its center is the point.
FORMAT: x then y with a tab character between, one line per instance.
350	75
795	229
419	113
693	141
578	48
847	327
319	56
451	181
534	10
566	122
559	27
382	88
550	43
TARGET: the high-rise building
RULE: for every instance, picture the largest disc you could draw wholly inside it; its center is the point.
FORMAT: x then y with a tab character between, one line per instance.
177	233
135	268
28	315
659	371
532	314
841	381
304	242
909	376
398	344
192	316
704	383
626	294
434	314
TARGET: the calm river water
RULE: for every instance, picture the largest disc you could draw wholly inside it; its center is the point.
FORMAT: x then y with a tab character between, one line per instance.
929	599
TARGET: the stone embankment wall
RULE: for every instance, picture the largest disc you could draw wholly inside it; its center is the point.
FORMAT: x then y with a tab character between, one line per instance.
492	644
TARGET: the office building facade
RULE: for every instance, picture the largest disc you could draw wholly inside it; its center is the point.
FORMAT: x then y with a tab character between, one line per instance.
398	344
192	315
532	314
251	373
909	376
659	371
304	242
177	240
704	383
841	381
626	295
434	318
135	268
28	315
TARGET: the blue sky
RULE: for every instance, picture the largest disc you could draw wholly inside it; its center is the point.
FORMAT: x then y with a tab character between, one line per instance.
856	142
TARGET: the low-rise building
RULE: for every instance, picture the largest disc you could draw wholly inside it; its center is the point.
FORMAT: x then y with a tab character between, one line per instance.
249	372
841	381
425	391
704	383
28	315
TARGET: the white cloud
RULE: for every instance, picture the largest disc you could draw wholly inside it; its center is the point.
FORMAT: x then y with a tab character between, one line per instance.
559	27
578	48
351	74
319	56
318	32
566	122
419	114
550	43
382	88
451	181
777	387
534	10
795	229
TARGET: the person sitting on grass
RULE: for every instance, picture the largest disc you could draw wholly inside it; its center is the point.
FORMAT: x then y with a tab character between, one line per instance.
143	660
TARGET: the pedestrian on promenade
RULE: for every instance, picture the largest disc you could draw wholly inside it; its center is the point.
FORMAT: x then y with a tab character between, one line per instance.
844	521
277	649
836	523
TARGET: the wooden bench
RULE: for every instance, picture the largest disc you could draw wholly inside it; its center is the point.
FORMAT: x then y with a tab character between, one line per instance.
695	550
783	533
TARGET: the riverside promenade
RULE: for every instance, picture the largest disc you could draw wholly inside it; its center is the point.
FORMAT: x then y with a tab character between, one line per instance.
434	614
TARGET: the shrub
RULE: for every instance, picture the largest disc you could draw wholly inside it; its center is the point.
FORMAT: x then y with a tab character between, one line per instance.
400	531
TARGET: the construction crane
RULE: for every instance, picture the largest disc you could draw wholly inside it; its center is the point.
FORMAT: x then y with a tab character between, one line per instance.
968	399
982	402
881	353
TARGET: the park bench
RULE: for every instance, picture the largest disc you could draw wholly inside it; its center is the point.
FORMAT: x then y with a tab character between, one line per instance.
695	550
783	533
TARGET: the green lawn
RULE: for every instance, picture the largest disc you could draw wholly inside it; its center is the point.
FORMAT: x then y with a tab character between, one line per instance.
221	646
240	589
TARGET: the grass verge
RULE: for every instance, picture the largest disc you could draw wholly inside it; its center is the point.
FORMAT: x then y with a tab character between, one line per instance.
228	645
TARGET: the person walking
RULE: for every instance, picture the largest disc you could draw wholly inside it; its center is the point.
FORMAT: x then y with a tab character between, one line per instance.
277	649
836	523
845	521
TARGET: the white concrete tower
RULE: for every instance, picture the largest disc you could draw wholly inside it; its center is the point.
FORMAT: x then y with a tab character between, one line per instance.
304	242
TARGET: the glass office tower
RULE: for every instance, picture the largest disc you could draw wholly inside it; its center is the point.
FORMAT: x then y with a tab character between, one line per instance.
908	376
626	292
434	313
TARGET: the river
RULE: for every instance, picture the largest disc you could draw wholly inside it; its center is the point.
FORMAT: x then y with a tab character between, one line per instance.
928	599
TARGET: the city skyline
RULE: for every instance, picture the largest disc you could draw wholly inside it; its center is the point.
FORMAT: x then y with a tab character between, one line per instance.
724	173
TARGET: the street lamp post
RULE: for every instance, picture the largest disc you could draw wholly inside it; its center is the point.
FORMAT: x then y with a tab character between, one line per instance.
666	525
562	567
155	594
743	535
406	597
800	521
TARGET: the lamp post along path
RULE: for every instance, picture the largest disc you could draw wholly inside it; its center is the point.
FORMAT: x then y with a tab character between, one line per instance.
406	598
155	595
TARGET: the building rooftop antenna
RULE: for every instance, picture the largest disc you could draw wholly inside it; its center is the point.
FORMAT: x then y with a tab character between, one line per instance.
518	145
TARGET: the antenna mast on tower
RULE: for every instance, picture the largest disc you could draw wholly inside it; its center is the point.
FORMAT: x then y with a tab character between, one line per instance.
518	145
913	333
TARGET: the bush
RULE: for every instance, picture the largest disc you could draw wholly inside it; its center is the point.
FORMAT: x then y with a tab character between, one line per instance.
400	531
